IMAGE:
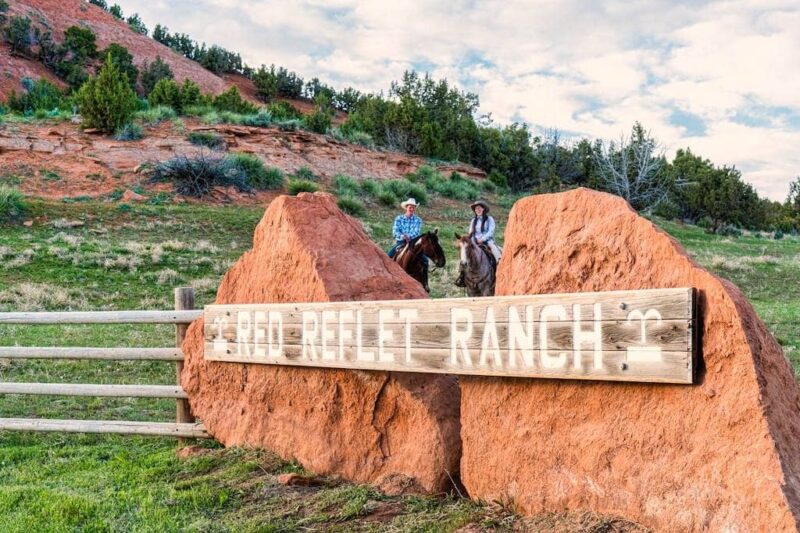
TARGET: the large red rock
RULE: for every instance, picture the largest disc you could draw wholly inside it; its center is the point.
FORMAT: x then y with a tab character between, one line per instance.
721	455
374	427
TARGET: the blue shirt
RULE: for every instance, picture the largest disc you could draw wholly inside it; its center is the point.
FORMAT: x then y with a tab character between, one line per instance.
485	235
409	226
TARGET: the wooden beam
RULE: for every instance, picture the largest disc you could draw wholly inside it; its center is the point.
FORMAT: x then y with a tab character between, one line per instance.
102	317
166	429
642	335
74	389
184	299
116	354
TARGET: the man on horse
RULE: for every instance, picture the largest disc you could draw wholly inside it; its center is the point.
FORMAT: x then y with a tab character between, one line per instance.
481	232
407	227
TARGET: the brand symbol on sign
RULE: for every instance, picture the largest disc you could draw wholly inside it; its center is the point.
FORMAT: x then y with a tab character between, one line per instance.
644	353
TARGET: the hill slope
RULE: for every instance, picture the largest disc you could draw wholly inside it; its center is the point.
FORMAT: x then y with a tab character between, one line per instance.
58	15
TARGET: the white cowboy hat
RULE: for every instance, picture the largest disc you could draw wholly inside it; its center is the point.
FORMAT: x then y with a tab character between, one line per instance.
410	201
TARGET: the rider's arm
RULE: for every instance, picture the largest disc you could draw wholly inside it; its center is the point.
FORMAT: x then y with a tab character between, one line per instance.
396	232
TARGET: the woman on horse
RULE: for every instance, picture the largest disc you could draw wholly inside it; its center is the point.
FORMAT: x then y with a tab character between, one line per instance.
406	228
481	232
481	229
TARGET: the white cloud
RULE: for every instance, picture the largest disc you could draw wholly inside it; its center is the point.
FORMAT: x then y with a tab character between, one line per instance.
587	68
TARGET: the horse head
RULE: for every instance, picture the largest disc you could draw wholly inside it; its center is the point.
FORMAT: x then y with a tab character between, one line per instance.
465	249
431	247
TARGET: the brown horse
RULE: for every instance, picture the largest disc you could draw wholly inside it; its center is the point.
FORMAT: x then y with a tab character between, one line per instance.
478	268
410	257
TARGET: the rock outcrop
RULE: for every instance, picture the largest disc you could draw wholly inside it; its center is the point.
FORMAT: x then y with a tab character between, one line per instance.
720	455
373	427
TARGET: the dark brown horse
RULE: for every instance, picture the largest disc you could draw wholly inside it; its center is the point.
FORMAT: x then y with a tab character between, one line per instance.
478	268
410	257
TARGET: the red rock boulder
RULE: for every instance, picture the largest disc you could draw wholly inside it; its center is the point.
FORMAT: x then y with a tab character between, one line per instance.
372	427
720	455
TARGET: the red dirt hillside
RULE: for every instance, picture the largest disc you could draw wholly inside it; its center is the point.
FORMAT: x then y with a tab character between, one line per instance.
61	14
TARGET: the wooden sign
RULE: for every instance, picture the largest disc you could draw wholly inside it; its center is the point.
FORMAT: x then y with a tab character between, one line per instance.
645	335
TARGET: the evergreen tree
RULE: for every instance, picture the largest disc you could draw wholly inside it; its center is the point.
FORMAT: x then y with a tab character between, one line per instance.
106	101
152	73
124	62
166	92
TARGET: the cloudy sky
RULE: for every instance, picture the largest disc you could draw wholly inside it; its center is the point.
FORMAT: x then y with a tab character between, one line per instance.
720	77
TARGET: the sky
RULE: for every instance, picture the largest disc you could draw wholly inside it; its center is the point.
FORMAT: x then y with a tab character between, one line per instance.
721	77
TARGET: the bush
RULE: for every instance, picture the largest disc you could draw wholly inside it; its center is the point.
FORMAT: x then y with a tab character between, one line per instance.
295	187
153	73
498	179
305	173
129	132
352	206
107	101
207	139
487	185
352	136
319	121
124	61
289	125
777	235
258	176
345	185
405	189
231	100
198	175
283	110
387	198
12	204
38	95
155	115
190	95
198	110
167	93
262	119
371	187
19	34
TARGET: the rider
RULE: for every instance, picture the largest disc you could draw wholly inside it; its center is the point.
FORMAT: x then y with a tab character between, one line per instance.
481	231
407	227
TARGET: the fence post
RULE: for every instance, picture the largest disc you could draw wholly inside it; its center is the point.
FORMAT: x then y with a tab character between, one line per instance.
184	300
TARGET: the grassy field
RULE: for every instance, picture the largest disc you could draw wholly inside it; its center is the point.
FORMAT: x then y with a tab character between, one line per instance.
107	255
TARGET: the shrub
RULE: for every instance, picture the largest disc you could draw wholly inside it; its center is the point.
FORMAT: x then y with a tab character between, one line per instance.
283	110
167	93
198	175
289	125
198	110
38	95
129	132
487	185
405	189
258	176
81	43
154	72
12	204
262	119
371	187
352	206
387	198
352	136
777	235
305	173
319	121
345	185
19	34
231	100
295	187
107	101
155	115
498	179
189	95
207	139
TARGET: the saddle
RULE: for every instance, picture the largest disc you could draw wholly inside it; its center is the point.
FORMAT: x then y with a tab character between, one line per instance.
489	254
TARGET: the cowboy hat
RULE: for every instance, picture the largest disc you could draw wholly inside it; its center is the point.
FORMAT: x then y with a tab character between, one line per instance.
481	203
410	201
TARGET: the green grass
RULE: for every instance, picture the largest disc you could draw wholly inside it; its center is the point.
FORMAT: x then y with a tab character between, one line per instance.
93	255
